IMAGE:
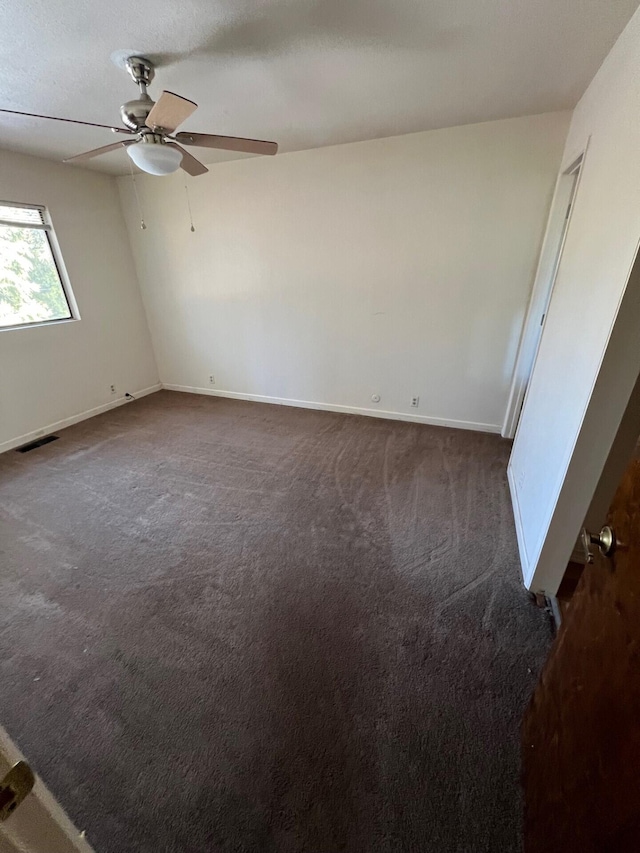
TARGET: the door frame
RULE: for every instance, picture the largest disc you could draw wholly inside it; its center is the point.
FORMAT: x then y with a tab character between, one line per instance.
564	194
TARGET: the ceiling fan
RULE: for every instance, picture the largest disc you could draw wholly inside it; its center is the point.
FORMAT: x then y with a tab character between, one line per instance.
151	125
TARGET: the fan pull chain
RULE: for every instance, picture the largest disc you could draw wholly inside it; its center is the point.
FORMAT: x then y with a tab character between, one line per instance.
143	225
186	189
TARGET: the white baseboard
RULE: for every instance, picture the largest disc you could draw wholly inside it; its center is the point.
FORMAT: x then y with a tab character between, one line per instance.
74	419
522	548
335	407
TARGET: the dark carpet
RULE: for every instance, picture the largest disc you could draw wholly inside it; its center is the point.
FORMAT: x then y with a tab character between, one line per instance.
231	626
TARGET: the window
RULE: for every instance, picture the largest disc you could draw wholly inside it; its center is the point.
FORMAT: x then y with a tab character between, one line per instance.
31	288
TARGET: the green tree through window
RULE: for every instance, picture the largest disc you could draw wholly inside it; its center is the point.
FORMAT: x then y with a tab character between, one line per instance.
30	286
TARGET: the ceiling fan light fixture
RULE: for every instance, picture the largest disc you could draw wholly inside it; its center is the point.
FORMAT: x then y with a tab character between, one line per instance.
154	158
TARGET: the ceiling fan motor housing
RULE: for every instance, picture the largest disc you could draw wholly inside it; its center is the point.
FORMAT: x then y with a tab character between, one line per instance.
134	113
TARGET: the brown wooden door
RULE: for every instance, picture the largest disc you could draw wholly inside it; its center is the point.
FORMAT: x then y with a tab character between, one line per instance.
581	732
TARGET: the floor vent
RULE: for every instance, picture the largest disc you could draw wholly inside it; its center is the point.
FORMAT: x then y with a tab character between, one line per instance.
33	444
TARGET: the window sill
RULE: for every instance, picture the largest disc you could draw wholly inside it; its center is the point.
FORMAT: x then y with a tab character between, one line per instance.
40	324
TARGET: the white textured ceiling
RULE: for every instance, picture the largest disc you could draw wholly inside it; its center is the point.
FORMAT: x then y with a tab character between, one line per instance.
304	73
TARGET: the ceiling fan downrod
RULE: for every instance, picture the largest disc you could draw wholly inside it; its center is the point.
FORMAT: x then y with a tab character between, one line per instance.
134	113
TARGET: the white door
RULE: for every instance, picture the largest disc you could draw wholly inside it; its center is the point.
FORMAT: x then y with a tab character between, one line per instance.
550	255
38	824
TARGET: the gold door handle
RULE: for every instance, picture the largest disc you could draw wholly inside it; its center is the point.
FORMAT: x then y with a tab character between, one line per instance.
605	540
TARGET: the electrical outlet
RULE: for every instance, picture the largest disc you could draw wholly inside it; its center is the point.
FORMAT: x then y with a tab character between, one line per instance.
212	379
415	402
113	389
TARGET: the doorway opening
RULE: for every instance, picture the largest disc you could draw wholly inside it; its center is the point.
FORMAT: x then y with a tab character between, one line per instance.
550	256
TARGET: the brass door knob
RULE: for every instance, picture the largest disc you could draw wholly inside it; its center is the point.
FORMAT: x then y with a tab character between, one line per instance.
605	540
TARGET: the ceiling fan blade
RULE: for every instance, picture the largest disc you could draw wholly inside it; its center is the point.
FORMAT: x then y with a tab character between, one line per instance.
228	143
70	120
169	111
189	163
87	155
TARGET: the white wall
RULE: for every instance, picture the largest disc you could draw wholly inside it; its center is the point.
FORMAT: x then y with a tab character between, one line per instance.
396	267
53	373
590	354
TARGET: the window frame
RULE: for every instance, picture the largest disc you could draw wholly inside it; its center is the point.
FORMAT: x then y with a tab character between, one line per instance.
56	254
